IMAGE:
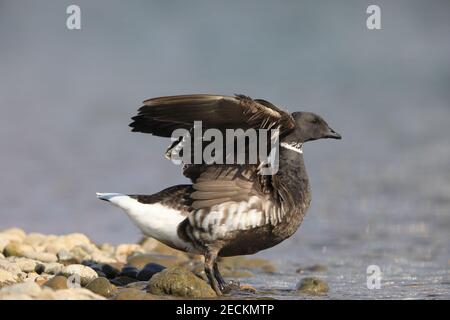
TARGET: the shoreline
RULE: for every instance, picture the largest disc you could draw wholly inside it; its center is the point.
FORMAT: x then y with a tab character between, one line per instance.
71	266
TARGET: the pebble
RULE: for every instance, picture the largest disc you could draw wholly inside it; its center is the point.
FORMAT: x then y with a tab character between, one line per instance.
86	274
32	276
102	287
25	264
57	283
129	271
149	270
41	256
312	286
52	267
179	281
10	267
41	279
18	249
7	278
109	271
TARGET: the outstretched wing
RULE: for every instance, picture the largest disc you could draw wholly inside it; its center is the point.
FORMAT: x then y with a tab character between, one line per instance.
160	116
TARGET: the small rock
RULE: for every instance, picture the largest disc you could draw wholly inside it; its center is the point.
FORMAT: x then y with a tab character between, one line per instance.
247	288
179	281
52	267
25	264
41	279
149	270
109	271
86	273
17	249
31	276
42	256
312	286
102	287
57	283
129	271
10	267
7	278
123	281
64	255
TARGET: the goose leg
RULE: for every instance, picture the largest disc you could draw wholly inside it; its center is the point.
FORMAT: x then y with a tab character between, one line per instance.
224	285
220	279
210	260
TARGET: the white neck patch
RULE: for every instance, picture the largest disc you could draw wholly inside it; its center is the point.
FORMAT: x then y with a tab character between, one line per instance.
296	147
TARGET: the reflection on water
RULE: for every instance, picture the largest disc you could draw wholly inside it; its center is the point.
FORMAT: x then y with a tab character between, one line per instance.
380	196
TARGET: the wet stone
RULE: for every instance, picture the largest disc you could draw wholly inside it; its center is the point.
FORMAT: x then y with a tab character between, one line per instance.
129	271
179	281
57	283
85	273
109	271
102	287
149	270
312	286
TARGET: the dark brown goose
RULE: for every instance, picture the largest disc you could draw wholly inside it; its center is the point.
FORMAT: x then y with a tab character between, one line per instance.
229	209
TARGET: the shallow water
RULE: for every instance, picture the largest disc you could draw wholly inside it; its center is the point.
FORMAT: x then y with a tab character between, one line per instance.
381	196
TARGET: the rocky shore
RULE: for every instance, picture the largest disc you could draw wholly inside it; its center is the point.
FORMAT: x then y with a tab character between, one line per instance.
38	266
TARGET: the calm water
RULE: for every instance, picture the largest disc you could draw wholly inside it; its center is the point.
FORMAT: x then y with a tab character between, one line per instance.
381	196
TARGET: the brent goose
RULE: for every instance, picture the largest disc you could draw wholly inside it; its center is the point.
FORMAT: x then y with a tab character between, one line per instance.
228	210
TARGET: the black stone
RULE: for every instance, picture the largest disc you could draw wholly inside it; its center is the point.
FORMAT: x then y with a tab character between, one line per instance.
109	271
149	270
129	271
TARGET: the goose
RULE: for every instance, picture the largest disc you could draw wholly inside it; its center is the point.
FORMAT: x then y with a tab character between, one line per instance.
228	209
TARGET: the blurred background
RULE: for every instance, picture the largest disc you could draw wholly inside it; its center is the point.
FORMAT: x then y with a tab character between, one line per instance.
380	196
